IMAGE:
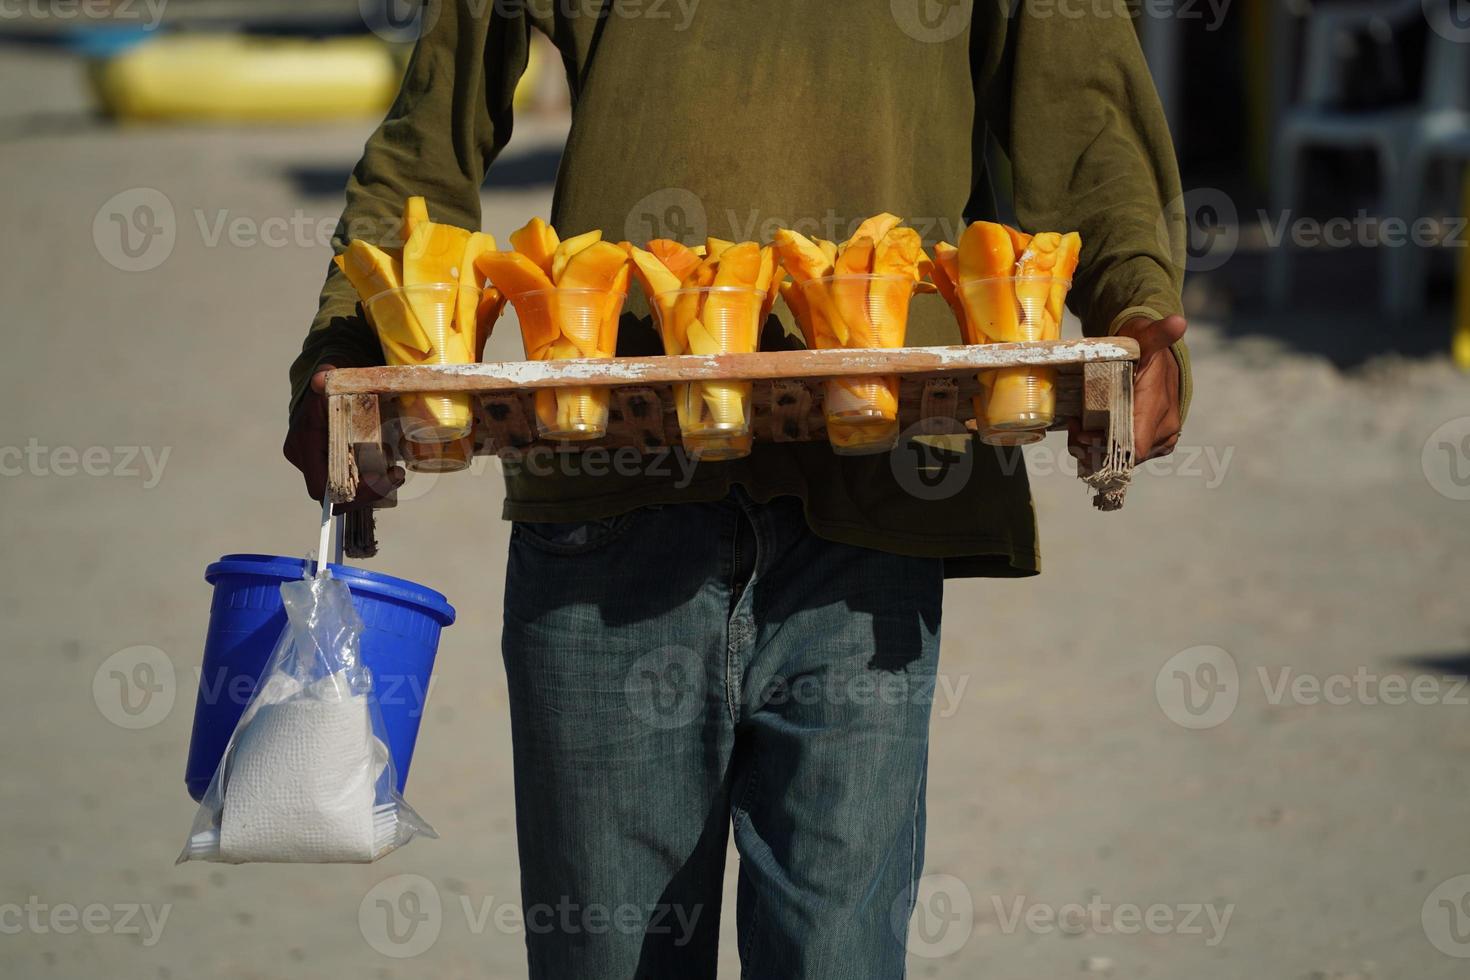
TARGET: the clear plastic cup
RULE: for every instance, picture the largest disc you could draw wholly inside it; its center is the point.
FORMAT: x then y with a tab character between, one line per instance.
427	418
714	416
561	324
1006	310
442	457
859	312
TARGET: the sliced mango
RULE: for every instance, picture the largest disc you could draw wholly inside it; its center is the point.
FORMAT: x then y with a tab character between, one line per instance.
537	241
568	248
653	275
371	272
515	275
801	256
466	318
875	227
986	252
679	259
433	254
415	214
1069	250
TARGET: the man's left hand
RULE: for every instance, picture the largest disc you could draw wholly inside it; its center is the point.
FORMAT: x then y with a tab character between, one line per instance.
1155	396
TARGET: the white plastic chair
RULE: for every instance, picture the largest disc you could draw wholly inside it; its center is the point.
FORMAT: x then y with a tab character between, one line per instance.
1406	139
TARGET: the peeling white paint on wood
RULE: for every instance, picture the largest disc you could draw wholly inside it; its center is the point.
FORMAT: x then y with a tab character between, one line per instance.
505	375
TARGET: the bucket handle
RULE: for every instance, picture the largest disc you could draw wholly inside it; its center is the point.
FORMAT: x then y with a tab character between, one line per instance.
332	528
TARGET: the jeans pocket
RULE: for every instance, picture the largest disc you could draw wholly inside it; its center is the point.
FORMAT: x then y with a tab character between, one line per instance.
573	537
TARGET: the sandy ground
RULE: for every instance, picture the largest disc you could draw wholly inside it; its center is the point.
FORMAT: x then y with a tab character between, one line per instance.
1075	826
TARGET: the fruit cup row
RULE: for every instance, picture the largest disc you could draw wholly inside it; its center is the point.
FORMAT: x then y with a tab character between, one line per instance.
708	300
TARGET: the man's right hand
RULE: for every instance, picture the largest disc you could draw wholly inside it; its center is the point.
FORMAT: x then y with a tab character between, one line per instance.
306	447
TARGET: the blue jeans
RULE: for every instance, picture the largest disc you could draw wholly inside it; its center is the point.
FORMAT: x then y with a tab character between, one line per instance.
682	670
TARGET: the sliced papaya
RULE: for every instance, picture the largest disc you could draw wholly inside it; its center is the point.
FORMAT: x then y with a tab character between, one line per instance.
537	241
715	247
603	266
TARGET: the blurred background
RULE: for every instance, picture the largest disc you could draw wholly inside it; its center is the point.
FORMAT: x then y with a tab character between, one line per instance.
1225	734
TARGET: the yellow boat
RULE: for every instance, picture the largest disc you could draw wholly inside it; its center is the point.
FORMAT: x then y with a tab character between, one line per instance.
235	77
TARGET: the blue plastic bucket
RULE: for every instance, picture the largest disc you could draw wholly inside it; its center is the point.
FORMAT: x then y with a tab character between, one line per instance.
401	622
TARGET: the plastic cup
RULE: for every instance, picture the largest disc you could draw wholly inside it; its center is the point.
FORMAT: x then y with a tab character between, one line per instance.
427	418
440	457
714	416
1005	310
564	324
859	312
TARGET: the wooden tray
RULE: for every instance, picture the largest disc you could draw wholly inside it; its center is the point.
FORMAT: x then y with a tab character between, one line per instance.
1094	380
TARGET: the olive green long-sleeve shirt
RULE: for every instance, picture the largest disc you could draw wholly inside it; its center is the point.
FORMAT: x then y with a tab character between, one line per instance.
732	119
